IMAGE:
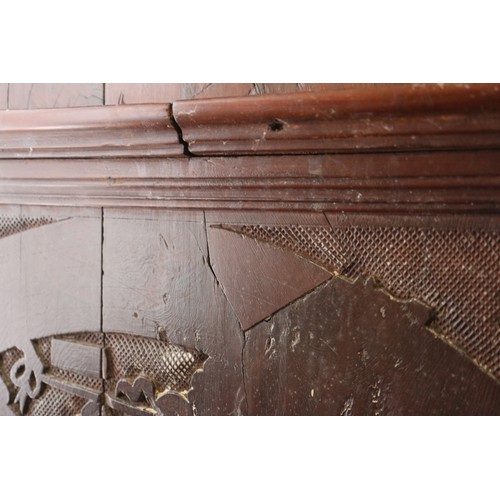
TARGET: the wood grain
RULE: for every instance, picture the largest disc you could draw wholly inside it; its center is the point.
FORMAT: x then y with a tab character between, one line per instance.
158	283
444	182
140	130
397	118
138	93
348	349
4	93
51	284
51	279
54	95
257	278
84	359
177	278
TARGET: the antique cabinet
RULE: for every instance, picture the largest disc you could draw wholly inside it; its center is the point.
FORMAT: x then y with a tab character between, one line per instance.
331	251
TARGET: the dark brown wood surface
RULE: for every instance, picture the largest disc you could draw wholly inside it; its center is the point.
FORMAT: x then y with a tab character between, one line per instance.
140	130
268	277
390	118
55	95
50	273
348	349
130	93
413	118
4	92
51	283
222	286
442	182
158	283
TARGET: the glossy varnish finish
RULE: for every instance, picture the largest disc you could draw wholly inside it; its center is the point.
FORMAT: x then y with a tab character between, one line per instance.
141	130
413	118
216	286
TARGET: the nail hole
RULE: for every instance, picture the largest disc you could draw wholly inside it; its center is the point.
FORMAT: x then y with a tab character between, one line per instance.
276	125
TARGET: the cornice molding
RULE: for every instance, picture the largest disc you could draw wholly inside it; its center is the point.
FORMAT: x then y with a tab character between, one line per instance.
395	118
441	182
145	130
134	155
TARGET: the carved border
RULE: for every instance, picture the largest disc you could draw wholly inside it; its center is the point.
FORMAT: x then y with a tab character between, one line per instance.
441	182
395	118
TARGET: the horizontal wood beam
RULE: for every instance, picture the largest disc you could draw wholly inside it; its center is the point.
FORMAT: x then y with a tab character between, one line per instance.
422	182
395	118
366	119
89	132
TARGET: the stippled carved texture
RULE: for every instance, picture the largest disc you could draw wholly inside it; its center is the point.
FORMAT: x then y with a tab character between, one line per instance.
455	272
7	360
169	366
54	401
11	225
43	346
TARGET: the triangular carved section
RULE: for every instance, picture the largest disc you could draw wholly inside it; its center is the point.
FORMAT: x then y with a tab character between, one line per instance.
454	271
258	278
10	225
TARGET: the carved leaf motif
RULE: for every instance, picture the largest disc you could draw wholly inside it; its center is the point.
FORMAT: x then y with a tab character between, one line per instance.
59	375
141	389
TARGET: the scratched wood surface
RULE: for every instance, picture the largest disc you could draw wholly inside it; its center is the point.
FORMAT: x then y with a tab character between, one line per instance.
258	278
132	93
348	349
50	274
158	283
58	95
339	348
54	95
50	268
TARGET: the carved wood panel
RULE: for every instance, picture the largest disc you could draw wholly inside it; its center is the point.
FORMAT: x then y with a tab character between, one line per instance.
217	313
271	281
50	268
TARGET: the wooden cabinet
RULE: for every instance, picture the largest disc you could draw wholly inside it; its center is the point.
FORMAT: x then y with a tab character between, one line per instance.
325	252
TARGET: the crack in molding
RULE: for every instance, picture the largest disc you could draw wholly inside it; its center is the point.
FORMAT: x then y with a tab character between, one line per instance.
178	129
